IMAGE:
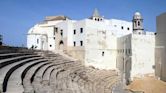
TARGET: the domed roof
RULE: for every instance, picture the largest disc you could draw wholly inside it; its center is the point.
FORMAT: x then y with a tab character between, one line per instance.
137	15
30	30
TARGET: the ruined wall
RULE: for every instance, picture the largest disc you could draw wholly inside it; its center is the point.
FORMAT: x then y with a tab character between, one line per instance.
77	53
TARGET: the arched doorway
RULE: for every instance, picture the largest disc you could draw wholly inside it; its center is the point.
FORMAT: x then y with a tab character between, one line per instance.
61	44
43	42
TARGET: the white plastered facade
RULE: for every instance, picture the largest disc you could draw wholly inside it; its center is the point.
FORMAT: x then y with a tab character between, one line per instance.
95	41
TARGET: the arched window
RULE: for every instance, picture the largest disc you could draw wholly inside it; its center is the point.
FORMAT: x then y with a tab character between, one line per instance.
81	30
138	23
81	43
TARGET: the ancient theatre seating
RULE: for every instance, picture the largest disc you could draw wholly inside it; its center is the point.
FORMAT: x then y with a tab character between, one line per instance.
35	71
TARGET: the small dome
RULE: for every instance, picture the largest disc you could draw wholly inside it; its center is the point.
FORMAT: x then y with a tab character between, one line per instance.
137	14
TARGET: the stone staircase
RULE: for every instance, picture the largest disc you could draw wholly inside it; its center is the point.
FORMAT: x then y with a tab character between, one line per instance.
31	71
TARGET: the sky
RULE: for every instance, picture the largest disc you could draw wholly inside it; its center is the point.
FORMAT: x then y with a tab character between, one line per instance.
18	16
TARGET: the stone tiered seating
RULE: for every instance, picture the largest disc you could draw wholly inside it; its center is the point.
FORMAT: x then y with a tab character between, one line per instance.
30	71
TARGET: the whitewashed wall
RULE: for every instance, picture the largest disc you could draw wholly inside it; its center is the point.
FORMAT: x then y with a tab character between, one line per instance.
140	60
143	54
99	40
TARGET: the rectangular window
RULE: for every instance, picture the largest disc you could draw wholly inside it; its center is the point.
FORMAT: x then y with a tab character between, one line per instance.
55	30
81	30
37	41
81	43
74	43
74	32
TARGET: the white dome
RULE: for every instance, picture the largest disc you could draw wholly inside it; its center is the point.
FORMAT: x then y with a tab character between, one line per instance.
30	30
137	14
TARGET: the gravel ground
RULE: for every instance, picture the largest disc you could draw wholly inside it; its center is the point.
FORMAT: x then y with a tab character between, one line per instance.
148	85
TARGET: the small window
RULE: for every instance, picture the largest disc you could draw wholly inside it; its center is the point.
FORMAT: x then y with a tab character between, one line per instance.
81	30
138	23
129	51
128	28
37	41
61	32
50	45
54	38
74	43
74	32
55	30
81	43
103	53
98	19
122	27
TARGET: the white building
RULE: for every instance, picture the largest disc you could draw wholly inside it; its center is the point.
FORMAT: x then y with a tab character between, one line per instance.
136	51
95	40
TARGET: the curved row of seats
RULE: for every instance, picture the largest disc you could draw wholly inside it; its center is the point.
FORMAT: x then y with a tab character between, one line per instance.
29	71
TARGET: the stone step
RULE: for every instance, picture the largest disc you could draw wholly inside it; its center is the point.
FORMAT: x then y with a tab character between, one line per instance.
15	78
5	69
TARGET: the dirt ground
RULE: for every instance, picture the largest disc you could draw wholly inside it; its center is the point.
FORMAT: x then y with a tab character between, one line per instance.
148	85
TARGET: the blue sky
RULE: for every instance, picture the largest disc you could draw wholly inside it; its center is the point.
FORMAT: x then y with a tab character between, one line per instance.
18	16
